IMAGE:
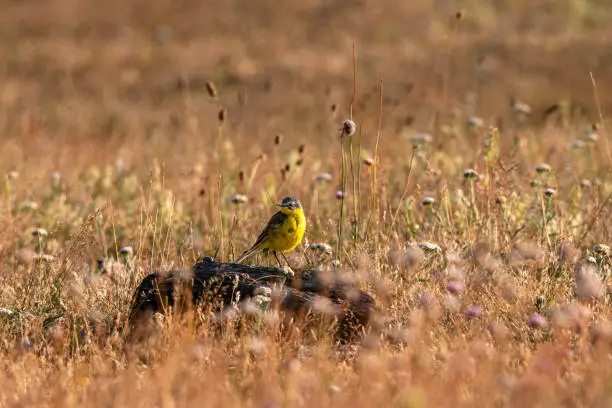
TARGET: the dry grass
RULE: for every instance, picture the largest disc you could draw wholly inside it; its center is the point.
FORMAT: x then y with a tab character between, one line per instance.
492	291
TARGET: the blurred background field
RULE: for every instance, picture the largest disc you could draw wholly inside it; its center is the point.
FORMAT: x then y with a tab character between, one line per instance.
111	136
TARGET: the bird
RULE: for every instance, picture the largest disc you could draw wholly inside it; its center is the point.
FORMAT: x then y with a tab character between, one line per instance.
283	233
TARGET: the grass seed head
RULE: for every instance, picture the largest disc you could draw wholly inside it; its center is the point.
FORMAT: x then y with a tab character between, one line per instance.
211	89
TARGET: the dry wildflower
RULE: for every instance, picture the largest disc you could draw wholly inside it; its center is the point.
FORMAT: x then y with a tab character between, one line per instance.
211	89
475	121
320	247
588	283
333	389
263	291
349	128
455	287
473	311
428	201
39	232
429	247
542	168
323	177
550	192
537	321
126	251
12	175
521	108
470	174
339	194
239	199
413	257
43	258
421	139
368	161
601	249
278	139
6	312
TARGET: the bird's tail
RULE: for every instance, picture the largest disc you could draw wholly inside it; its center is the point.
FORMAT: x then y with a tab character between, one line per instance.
247	253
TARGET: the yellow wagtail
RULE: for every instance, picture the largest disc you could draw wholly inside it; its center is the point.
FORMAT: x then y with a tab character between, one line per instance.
283	233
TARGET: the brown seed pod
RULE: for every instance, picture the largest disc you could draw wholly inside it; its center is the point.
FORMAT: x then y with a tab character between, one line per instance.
222	115
212	89
301	149
278	139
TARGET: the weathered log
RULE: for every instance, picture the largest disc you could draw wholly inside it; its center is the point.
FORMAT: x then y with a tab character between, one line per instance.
218	284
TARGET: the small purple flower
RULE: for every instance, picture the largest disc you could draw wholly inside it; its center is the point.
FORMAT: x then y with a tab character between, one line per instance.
473	311
455	287
339	194
537	321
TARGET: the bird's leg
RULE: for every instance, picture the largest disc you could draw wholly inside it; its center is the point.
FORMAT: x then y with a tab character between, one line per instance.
278	260
288	264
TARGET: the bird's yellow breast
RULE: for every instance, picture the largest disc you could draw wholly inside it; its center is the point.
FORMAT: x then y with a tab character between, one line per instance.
289	234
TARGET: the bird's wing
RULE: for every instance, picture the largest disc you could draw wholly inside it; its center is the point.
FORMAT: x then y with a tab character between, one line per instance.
275	223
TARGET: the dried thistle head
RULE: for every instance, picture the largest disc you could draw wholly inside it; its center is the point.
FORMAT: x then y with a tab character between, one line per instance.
349	128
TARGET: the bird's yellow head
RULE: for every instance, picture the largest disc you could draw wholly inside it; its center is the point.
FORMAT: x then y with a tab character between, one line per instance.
290	205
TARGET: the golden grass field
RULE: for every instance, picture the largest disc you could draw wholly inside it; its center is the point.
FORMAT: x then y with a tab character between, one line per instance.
491	285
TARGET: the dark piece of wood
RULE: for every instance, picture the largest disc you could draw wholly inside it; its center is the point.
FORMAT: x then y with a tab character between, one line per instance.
219	284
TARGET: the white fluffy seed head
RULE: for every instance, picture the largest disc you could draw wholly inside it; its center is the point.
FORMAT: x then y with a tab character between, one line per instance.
323	177
470	174
542	168
239	199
